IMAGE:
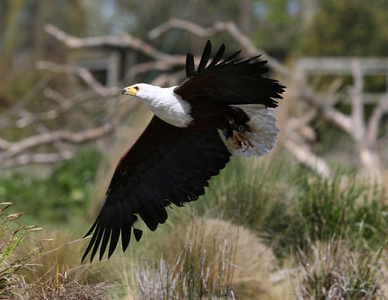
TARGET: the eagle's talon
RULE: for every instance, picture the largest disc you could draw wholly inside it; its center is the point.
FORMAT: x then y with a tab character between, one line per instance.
235	144
239	139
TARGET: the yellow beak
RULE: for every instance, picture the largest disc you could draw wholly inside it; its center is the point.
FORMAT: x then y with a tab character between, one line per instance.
130	90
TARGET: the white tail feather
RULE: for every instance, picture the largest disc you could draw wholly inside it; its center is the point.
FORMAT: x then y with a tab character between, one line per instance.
263	132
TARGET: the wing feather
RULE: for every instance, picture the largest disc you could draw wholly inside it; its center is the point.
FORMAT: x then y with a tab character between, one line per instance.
217	57
234	81
205	57
166	165
190	68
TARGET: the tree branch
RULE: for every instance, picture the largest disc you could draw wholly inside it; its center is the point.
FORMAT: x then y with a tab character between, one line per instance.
124	40
11	149
83	73
62	135
304	155
24	159
219	26
378	112
359	130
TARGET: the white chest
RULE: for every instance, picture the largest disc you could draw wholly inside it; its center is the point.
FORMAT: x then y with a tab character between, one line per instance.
169	107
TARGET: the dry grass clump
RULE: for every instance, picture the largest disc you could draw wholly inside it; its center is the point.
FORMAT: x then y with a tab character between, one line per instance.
64	286
219	260
336	270
31	269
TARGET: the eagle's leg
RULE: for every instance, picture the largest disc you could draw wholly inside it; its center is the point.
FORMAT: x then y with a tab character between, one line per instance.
241	138
236	137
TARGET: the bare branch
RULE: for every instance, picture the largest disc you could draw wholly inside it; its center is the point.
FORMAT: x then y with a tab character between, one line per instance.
4	144
64	104
358	132
146	67
353	125
296	123
83	73
49	137
327	111
378	112
304	155
12	149
123	40
219	26
39	158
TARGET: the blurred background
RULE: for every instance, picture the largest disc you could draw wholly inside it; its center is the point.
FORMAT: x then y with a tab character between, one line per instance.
319	195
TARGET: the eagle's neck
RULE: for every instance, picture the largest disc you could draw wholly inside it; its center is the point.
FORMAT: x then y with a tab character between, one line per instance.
166	105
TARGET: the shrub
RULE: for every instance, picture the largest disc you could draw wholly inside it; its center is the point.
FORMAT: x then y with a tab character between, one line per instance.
341	207
59	197
336	270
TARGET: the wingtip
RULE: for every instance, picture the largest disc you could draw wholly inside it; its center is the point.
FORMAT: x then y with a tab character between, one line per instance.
190	70
205	56
137	233
83	257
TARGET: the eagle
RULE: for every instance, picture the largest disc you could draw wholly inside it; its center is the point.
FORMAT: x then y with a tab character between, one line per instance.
223	108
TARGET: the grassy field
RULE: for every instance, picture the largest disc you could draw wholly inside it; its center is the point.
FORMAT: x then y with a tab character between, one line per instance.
266	229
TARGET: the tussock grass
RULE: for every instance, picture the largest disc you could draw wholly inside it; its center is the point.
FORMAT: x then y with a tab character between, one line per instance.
65	285
258	194
214	259
290	207
341	207
336	270
26	272
12	235
277	218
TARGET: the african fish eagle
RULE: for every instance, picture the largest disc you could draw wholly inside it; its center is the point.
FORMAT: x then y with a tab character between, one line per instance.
223	108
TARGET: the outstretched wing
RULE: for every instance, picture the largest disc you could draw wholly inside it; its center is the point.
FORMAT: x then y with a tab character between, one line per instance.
166	165
233	81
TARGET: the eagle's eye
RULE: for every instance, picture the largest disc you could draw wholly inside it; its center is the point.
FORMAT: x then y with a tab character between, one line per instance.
136	88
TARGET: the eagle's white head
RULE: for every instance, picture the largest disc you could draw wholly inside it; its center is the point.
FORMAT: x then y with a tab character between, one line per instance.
142	90
163	102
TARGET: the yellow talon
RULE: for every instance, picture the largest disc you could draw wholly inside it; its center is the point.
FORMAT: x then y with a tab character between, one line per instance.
238	140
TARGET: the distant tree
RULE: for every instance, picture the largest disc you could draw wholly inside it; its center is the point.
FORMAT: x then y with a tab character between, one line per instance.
348	28
21	26
276	24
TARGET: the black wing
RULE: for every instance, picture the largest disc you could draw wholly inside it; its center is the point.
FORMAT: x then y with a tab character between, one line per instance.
166	165
232	81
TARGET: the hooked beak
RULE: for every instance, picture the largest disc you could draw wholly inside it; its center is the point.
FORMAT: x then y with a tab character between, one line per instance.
129	90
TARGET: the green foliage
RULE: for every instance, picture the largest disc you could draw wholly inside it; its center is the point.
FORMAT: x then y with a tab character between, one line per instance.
332	227
11	236
250	191
14	85
290	206
277	30
347	28
59	197
338	207
258	196
21	261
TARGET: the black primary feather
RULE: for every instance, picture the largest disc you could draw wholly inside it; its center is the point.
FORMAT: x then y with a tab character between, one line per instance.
205	57
190	68
218	56
173	165
234	80
172	171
